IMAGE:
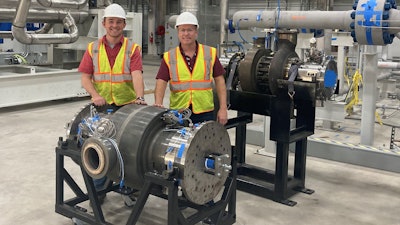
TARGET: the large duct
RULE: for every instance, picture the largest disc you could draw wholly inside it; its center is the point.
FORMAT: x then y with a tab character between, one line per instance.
137	139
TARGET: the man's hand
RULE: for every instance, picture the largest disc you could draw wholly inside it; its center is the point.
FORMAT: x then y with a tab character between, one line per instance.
140	102
222	116
98	100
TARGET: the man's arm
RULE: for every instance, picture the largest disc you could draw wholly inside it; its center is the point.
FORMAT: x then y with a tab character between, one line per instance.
86	81
159	92
222	115
138	85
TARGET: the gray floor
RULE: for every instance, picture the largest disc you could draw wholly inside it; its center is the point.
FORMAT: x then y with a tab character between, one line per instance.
344	194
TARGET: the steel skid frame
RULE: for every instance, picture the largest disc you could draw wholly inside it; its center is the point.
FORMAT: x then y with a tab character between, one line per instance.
221	212
276	185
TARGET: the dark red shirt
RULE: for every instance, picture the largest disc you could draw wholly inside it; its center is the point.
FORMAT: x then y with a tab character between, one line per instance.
163	71
86	65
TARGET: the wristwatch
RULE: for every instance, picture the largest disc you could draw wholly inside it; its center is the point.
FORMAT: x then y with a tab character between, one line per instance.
140	99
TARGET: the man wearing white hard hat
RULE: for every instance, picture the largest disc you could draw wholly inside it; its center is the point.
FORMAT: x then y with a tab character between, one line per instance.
112	66
112	69
191	68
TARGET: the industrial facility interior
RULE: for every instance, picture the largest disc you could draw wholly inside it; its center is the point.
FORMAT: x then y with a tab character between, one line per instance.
313	135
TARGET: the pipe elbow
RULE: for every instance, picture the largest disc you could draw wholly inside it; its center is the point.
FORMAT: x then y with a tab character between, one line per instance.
70	24
20	34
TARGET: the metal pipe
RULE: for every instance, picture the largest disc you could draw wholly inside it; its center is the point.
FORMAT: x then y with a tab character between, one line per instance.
190	6
305	19
44	15
293	19
6	34
63	4
369	95
12	3
172	21
224	22
18	29
43	30
388	65
383	76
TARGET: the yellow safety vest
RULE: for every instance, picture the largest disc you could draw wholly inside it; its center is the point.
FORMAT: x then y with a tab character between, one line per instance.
113	84
191	87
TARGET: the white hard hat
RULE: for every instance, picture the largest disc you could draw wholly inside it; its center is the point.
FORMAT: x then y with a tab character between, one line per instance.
186	18
114	10
313	40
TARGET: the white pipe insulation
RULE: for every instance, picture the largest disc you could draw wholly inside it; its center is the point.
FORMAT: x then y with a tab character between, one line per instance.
292	19
388	65
304	19
370	25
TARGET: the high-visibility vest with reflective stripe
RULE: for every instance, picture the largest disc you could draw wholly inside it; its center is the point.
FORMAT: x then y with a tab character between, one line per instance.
191	87
113	84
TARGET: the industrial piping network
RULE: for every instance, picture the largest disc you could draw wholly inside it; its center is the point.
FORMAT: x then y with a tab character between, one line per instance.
38	11
370	23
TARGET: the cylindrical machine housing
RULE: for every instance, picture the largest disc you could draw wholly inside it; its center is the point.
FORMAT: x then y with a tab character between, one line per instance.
141	142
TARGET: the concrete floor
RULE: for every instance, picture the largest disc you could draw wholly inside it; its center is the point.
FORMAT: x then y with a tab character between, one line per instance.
344	193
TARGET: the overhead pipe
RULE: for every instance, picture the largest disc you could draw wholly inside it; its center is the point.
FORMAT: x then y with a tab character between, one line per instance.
43	30
388	65
19	32
367	27
13	3
63	4
383	76
41	15
6	34
293	19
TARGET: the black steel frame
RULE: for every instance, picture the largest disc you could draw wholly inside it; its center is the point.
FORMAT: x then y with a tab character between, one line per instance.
276	185
222	212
